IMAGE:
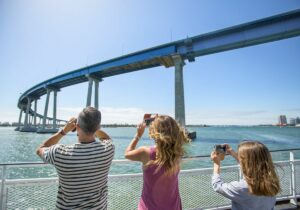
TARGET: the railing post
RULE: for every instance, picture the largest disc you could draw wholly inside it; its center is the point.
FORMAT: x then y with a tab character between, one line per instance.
3	191
293	183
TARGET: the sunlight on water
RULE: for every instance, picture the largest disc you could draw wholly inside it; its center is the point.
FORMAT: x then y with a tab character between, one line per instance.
20	147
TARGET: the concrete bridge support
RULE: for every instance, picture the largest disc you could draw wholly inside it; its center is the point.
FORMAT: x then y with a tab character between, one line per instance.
89	93
46	109
90	88
54	109
35	112
179	90
27	125
96	101
20	120
26	122
54	128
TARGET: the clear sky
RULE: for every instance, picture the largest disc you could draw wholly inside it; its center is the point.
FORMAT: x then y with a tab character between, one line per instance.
42	39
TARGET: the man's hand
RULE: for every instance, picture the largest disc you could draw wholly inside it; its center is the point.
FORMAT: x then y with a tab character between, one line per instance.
71	124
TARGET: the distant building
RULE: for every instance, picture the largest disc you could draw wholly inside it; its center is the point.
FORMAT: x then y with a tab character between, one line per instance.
282	120
297	120
293	121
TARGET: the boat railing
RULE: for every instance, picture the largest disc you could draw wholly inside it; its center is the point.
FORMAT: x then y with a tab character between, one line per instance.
22	189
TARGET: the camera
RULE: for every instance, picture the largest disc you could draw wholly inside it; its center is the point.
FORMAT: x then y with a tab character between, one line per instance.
75	121
148	118
220	148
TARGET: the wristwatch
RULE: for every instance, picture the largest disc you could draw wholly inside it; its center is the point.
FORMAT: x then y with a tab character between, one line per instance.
62	132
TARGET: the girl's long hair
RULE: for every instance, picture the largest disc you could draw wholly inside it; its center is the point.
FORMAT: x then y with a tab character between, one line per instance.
170	138
258	168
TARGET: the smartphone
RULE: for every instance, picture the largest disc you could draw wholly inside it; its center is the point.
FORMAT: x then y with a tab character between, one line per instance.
220	148
148	118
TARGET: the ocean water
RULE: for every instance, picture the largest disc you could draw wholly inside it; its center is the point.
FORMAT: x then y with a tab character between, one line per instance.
20	147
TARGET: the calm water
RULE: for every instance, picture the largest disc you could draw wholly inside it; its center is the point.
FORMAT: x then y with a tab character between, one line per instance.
20	147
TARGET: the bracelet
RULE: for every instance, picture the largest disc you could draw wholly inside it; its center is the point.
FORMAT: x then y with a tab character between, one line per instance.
137	137
62	132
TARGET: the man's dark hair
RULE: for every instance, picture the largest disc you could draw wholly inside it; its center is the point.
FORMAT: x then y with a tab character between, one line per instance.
89	120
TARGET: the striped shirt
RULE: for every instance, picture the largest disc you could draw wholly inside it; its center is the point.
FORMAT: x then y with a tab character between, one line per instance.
82	170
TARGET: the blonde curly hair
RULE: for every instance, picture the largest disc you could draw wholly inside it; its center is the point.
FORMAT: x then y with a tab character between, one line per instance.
169	137
258	168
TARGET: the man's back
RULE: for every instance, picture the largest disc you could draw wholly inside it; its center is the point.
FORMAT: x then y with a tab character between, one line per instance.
82	170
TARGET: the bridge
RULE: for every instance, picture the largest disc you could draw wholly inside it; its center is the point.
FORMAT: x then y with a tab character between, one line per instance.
175	54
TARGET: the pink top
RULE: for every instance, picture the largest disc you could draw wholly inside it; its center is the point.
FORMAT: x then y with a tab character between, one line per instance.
160	192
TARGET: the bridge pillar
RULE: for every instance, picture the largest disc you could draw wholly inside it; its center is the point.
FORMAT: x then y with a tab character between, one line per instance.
96	101
179	90
20	120
54	109
46	109
89	94
46	121
35	111
27	123
90	88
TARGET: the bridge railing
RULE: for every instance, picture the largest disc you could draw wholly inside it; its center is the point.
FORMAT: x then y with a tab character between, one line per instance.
125	189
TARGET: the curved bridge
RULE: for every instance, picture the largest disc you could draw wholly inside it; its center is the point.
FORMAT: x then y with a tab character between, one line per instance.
175	54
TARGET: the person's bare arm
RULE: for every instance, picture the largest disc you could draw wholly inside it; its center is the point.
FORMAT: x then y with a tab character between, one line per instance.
54	139
217	162
102	135
140	154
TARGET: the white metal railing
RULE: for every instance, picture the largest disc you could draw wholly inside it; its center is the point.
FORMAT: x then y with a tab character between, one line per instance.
125	189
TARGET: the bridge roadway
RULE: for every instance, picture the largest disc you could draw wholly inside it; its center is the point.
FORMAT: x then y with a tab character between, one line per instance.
175	54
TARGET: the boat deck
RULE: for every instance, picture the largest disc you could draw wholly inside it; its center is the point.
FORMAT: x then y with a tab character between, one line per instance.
125	189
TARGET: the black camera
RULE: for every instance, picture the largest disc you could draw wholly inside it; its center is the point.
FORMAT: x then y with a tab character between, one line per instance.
220	148
148	118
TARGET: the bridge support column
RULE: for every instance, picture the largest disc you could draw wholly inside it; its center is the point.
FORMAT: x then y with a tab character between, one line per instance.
89	94
179	90
54	108
26	122
35	111
46	121
20	120
90	88
27	126
96	102
46	109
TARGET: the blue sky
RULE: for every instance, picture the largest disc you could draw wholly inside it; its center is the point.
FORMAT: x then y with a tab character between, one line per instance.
42	39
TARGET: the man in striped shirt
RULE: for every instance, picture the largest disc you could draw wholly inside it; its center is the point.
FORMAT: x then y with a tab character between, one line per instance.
82	167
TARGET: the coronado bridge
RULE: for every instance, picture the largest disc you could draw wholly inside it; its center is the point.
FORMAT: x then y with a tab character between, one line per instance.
174	54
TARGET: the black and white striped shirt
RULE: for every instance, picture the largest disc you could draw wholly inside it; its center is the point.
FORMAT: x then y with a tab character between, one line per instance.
82	170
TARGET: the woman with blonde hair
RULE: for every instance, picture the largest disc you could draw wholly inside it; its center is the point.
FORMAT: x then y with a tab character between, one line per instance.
161	163
260	183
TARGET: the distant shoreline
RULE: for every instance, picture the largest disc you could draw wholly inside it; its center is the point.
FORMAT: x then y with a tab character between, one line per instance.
190	126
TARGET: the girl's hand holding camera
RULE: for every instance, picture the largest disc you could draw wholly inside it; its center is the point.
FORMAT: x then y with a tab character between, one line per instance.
140	130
